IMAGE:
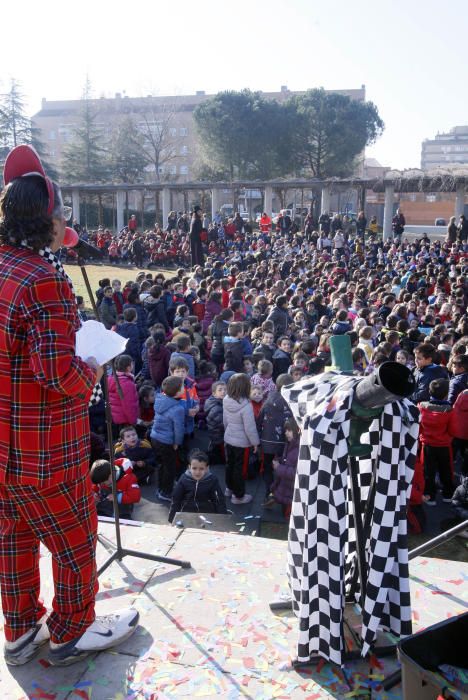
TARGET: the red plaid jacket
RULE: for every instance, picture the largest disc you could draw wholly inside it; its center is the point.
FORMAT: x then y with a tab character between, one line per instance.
44	387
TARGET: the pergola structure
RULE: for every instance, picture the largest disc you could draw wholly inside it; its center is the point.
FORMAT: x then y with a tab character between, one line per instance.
394	181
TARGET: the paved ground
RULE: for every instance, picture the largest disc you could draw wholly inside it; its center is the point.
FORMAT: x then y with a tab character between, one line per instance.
208	632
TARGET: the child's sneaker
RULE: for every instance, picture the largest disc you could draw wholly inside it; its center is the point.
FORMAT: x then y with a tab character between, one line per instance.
431	502
105	632
163	496
227	493
23	649
240	501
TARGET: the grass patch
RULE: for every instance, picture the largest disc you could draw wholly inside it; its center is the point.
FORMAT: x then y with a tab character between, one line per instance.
98	272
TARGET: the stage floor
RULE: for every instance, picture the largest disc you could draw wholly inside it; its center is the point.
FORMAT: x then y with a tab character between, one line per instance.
208	631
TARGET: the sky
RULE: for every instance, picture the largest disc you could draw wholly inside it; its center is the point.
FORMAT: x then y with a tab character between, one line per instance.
410	54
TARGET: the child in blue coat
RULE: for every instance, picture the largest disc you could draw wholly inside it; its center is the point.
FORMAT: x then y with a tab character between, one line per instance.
167	433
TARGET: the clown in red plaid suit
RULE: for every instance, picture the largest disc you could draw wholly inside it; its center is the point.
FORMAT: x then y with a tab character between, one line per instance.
45	489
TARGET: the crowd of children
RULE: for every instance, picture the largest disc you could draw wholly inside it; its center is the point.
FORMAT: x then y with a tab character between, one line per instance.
211	349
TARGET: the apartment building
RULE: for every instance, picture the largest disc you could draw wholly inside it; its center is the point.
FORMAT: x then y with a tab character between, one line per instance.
446	150
169	117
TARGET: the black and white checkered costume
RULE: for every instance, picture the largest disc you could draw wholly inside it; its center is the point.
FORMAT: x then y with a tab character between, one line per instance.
322	546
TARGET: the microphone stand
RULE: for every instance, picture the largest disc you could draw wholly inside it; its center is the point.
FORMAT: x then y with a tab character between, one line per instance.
119	551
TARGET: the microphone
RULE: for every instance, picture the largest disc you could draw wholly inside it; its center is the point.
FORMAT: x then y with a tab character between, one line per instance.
85	250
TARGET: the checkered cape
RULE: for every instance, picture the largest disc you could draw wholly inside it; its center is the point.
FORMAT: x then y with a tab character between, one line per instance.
321	552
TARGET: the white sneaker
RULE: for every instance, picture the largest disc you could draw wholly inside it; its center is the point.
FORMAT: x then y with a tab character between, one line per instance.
105	632
227	493
240	501
21	650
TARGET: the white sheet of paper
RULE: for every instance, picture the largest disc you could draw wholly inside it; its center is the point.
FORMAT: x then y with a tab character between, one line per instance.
94	340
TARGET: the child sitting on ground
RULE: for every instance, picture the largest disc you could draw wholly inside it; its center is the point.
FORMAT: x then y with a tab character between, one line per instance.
262	377
138	451
282	488
197	490
128	491
214	422
436	434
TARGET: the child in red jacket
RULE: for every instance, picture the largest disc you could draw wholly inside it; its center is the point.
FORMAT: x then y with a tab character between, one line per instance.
128	491
436	434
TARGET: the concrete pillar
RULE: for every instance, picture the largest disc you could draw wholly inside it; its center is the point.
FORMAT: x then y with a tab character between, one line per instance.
325	204
120	205
76	204
388	211
166	204
460	200
268	200
215	201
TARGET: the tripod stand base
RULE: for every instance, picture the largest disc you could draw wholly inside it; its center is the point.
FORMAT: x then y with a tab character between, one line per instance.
121	552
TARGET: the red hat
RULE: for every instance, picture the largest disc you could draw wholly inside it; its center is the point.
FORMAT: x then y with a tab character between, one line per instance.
23	161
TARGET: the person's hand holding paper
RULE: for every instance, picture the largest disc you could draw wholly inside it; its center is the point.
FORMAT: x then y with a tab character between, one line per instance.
94	340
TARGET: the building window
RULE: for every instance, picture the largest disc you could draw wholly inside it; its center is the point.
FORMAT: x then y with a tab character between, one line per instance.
183	150
183	131
173	169
173	132
52	135
431	198
161	169
184	170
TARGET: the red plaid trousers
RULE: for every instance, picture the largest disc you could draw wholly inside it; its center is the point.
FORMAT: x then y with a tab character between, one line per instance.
63	517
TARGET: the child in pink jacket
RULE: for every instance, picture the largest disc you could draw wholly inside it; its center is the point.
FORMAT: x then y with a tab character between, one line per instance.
124	410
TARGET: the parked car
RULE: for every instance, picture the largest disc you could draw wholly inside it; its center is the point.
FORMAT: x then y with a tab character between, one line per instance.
440	222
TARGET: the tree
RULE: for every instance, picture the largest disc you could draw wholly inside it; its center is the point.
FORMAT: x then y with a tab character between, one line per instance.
159	137
16	128
329	131
86	158
223	127
127	157
244	135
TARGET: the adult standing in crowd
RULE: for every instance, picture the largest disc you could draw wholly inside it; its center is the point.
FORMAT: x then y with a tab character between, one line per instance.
45	489
196	248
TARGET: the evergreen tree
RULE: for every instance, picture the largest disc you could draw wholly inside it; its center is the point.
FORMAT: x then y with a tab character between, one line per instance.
127	157
244	135
328	131
16	128
86	158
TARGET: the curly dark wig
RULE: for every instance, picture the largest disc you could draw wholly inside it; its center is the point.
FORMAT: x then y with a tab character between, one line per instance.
23	213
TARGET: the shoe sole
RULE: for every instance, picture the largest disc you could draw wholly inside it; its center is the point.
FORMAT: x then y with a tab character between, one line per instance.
20	660
80	655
